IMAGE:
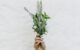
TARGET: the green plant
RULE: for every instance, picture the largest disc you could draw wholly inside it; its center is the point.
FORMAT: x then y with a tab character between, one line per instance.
39	19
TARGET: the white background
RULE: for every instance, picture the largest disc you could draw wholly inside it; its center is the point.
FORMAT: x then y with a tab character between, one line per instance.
16	31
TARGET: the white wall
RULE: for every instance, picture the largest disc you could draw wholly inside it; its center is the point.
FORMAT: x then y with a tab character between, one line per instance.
16	31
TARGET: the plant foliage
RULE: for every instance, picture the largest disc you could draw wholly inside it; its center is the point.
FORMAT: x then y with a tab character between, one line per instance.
39	19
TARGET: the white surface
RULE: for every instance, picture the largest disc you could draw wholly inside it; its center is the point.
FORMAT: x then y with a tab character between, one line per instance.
16	31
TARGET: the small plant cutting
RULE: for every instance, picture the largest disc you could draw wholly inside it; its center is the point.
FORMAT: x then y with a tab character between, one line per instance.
39	23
